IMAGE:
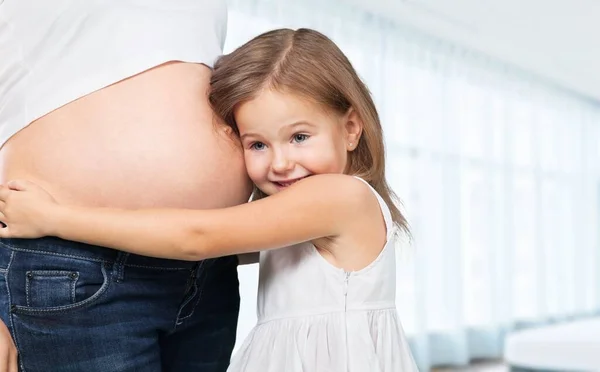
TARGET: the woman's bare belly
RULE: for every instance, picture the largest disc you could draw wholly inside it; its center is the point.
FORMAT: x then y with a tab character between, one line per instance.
147	141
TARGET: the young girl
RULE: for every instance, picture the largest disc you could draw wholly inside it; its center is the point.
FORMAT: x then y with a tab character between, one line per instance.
323	214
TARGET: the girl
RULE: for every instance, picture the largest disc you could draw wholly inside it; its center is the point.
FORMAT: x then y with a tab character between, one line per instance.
322	213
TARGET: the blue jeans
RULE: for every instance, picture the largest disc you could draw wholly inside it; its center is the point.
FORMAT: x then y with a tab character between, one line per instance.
76	307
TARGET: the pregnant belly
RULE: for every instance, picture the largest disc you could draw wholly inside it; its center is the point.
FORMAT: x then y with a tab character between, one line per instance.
147	141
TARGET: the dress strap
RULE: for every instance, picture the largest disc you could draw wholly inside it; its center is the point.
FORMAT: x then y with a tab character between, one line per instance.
385	210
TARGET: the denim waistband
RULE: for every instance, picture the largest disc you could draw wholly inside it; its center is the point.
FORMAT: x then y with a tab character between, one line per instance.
67	248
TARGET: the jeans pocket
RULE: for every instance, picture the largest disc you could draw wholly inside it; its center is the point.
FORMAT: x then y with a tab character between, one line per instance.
43	284
50	288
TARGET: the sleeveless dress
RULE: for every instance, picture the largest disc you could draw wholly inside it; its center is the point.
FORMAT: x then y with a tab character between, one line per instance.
314	317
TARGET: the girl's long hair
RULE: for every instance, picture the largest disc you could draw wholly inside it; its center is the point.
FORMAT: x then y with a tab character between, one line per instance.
307	63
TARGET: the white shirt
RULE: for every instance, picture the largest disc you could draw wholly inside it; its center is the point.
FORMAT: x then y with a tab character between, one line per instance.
55	51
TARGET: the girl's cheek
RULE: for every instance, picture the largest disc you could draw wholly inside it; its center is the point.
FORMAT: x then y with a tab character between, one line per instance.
255	167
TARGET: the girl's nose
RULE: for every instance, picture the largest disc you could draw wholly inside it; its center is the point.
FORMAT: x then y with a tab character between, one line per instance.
281	163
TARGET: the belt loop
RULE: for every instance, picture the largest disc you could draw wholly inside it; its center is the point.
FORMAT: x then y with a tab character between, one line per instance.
119	266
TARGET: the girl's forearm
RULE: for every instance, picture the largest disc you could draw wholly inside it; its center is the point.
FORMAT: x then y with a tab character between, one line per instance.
163	233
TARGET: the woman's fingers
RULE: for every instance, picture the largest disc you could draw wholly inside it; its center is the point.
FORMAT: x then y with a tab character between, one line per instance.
8	351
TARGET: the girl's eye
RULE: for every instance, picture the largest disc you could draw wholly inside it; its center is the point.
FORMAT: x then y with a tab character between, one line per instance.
258	146
300	137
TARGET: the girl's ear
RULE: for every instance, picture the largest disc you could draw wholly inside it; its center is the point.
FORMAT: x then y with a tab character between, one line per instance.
353	125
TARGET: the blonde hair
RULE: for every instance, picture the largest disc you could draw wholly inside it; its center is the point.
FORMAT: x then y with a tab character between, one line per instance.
307	63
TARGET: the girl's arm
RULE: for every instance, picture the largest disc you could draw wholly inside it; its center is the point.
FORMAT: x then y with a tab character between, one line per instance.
315	207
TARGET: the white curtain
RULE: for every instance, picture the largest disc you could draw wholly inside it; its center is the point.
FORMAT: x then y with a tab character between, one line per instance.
498	172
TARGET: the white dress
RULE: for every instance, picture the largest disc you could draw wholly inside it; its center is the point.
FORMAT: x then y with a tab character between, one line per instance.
314	317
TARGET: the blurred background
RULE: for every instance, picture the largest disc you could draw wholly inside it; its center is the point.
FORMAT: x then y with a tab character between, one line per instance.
492	122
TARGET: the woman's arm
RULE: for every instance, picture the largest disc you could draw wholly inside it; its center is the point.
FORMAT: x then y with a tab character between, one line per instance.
315	207
8	351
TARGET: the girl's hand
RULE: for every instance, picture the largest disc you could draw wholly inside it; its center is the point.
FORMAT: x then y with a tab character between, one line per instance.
26	209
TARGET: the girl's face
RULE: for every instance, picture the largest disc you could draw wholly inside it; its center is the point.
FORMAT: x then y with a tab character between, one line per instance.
287	138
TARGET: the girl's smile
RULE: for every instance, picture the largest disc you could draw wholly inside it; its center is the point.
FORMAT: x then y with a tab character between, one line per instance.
287	138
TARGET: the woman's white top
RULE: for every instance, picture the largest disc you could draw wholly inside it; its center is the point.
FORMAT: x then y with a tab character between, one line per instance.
314	317
53	52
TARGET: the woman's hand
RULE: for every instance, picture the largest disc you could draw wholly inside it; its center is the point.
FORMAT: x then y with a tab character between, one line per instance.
8	351
26	210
